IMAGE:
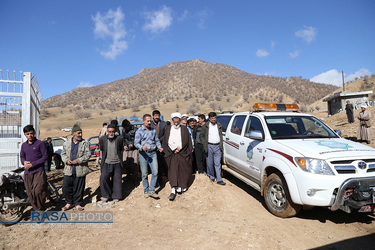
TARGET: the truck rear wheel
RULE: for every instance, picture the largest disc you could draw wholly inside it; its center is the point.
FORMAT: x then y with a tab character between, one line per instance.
277	198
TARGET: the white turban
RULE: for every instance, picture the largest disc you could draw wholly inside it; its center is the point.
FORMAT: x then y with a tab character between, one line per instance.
184	115
364	106
178	115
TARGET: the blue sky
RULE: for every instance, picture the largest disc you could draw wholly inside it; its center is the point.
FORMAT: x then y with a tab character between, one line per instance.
69	44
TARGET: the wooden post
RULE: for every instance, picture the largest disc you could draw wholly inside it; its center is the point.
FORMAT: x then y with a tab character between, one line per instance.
343	82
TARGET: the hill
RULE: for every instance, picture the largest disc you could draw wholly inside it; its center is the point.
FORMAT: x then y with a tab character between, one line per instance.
187	80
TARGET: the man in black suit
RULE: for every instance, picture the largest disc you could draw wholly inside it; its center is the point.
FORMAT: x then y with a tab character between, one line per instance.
49	147
160	127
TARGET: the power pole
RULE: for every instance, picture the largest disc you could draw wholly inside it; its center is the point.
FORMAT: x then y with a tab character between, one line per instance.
343	82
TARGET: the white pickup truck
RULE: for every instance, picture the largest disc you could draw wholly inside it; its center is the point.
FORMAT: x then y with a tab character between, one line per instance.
295	160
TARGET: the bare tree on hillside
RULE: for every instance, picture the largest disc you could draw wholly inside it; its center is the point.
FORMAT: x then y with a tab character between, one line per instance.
87	115
44	114
220	108
213	105
192	108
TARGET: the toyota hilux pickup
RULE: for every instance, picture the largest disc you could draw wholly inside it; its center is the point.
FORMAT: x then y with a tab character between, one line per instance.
295	160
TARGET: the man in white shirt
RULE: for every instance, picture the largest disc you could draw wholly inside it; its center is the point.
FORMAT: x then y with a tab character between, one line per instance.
211	137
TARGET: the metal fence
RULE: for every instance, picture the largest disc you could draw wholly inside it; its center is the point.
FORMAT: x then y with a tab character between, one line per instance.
19	106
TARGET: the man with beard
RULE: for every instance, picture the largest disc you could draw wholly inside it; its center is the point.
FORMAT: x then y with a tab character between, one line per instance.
111	165
33	155
160	127
75	154
178	147
147	141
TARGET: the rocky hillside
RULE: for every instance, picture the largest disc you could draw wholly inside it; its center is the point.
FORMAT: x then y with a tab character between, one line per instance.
191	80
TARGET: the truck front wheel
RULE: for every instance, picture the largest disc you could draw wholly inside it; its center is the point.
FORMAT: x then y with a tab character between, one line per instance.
277	198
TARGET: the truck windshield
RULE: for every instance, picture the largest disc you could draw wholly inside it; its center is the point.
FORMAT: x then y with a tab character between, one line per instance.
298	127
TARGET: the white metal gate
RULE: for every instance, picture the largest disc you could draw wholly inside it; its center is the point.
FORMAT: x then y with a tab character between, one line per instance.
19	106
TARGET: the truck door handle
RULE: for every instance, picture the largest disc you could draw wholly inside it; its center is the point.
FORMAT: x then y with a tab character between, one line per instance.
227	138
242	143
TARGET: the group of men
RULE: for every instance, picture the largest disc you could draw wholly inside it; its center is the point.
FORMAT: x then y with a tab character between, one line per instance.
170	151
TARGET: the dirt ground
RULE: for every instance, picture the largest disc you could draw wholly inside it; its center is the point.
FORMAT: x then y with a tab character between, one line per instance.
207	216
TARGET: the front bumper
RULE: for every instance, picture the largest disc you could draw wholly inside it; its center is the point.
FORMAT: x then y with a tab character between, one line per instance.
345	202
329	190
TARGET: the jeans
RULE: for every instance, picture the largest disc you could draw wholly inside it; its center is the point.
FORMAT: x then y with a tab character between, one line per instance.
213	159
148	159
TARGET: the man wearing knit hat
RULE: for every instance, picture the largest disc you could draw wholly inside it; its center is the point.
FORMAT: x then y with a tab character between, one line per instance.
75	154
177	146
111	146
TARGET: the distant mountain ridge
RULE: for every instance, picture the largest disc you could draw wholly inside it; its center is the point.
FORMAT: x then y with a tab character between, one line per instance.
191	79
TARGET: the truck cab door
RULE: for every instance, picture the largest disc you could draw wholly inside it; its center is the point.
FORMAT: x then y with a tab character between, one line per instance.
232	139
251	149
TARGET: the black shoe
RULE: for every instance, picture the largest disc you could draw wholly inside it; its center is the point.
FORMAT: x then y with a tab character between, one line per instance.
172	196
212	180
221	183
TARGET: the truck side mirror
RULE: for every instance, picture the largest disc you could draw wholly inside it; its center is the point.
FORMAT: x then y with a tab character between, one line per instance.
338	131
256	135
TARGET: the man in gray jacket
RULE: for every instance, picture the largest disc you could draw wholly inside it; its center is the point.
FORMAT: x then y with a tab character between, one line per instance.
111	146
75	154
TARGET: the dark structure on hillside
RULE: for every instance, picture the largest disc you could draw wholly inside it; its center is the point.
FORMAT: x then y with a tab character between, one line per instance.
336	103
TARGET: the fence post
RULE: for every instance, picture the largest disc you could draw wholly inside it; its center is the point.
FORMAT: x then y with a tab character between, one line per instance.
26	101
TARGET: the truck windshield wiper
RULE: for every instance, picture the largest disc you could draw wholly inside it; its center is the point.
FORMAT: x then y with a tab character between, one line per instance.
316	136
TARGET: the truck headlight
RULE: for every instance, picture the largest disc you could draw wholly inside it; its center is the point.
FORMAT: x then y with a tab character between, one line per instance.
314	166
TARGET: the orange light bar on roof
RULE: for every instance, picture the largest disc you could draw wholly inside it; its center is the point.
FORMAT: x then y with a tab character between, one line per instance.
275	107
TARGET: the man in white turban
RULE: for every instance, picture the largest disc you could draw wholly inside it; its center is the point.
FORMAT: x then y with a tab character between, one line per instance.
364	131
177	149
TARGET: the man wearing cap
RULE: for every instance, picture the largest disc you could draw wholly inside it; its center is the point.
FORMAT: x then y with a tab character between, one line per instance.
148	143
178	147
112	147
364	131
211	137
75	154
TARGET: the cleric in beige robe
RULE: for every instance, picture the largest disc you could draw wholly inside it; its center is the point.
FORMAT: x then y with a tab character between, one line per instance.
364	131
177	149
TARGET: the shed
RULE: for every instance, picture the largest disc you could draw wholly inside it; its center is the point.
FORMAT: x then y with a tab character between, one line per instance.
336	103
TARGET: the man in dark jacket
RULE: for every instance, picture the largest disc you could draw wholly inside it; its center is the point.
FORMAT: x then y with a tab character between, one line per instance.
130	155
49	147
198	147
160	127
349	112
111	165
211	137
